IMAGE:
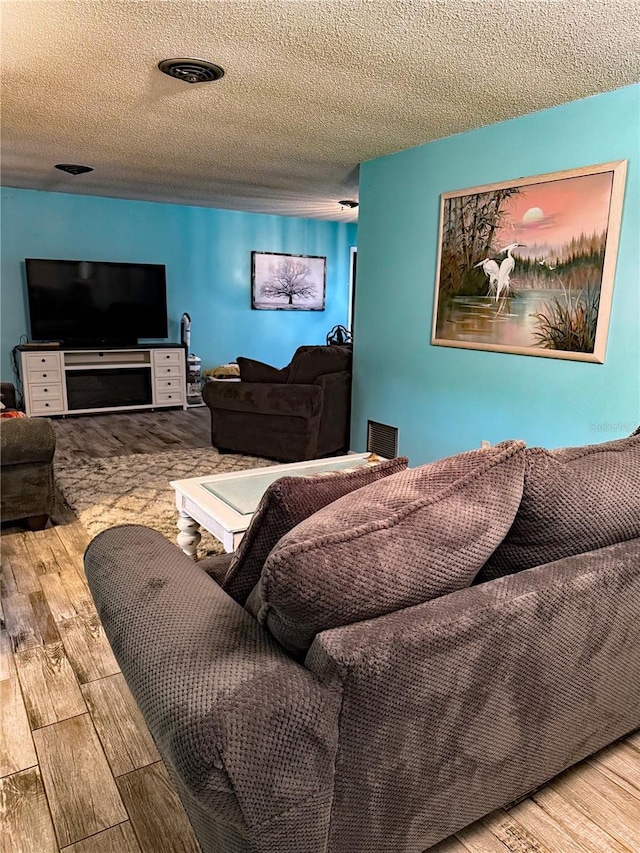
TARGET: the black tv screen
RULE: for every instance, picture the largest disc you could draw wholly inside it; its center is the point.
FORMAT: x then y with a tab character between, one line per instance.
96	303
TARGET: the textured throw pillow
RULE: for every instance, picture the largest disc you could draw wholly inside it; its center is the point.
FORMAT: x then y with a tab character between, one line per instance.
575	500
409	538
286	503
258	371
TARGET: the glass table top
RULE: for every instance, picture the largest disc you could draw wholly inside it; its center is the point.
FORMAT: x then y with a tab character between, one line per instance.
243	494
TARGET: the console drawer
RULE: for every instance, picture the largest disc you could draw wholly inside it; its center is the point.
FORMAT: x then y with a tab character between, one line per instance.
164	398
47	407
38	377
172	357
52	391
169	384
165	371
40	360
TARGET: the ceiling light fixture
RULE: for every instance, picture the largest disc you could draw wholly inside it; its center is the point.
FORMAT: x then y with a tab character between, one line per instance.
73	168
346	202
191	70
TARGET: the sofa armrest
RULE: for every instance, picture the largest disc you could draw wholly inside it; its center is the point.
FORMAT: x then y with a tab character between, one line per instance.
492	690
266	398
216	566
230	711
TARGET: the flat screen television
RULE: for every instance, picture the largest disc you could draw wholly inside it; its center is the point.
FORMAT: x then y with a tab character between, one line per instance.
96	303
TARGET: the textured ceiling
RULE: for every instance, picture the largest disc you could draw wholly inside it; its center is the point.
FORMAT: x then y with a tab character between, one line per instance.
311	89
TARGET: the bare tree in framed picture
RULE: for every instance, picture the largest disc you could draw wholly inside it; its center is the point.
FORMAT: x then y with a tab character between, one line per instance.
527	266
281	282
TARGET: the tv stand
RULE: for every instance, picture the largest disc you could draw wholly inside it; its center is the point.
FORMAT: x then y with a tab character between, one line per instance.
75	381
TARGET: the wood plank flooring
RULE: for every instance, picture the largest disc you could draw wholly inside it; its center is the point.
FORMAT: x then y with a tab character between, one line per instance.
79	772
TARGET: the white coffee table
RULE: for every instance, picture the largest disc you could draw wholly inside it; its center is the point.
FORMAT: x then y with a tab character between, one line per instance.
224	503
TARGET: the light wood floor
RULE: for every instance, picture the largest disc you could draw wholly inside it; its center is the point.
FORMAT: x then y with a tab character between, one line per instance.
78	769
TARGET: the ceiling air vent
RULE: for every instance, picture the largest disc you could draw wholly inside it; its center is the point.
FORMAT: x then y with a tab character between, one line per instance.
382	439
191	70
73	168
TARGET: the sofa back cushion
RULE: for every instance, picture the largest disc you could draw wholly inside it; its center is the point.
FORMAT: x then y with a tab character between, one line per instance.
286	503
575	500
411	537
310	362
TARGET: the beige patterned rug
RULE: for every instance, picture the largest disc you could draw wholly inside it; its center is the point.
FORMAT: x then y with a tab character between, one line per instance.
135	489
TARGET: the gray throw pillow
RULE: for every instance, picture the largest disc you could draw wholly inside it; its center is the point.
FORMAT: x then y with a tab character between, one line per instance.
286	503
575	500
409	538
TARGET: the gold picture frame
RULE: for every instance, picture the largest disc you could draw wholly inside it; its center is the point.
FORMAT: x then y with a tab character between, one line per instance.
527	266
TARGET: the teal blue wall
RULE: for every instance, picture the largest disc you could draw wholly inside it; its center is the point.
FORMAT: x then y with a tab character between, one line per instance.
446	400
207	253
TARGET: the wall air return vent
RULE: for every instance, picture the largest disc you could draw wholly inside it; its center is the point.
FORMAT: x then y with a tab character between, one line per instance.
191	70
382	439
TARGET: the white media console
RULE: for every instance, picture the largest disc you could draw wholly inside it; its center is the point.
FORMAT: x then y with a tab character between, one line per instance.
79	381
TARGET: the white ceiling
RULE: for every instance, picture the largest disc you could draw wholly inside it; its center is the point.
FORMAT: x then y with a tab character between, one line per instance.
312	88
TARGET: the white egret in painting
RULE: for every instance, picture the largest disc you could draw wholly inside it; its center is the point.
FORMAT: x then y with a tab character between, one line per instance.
506	268
491	269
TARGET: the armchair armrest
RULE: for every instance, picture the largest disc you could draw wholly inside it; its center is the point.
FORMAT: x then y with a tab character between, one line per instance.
267	398
492	690
233	715
8	395
26	440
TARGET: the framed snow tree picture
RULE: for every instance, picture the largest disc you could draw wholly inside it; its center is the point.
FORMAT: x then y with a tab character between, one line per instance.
281	282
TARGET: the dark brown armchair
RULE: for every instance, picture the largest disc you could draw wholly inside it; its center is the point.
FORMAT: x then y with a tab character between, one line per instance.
299	412
27	446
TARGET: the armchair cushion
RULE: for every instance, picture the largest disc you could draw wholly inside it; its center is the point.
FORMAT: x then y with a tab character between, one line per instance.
286	503
310	362
258	371
401	541
575	499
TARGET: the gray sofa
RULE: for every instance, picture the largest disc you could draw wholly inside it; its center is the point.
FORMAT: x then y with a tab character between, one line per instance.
409	658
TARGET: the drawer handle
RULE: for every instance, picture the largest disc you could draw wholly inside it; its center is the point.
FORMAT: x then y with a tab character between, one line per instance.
46	390
169	370
46	404
44	375
167	356
170	397
43	360
168	383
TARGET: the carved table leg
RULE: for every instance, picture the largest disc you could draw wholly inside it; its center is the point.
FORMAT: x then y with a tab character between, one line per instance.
189	535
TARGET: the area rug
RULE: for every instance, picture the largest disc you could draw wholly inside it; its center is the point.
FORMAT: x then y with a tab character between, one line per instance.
135	489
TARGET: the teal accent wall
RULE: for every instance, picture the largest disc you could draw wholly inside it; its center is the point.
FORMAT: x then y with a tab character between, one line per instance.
446	400
207	253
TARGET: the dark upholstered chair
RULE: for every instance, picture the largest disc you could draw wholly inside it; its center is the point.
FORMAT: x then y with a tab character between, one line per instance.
299	412
27	446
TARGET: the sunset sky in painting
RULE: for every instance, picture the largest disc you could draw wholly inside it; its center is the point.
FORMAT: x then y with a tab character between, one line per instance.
553	212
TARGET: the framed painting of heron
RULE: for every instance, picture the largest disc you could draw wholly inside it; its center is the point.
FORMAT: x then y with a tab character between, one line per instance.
527	266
